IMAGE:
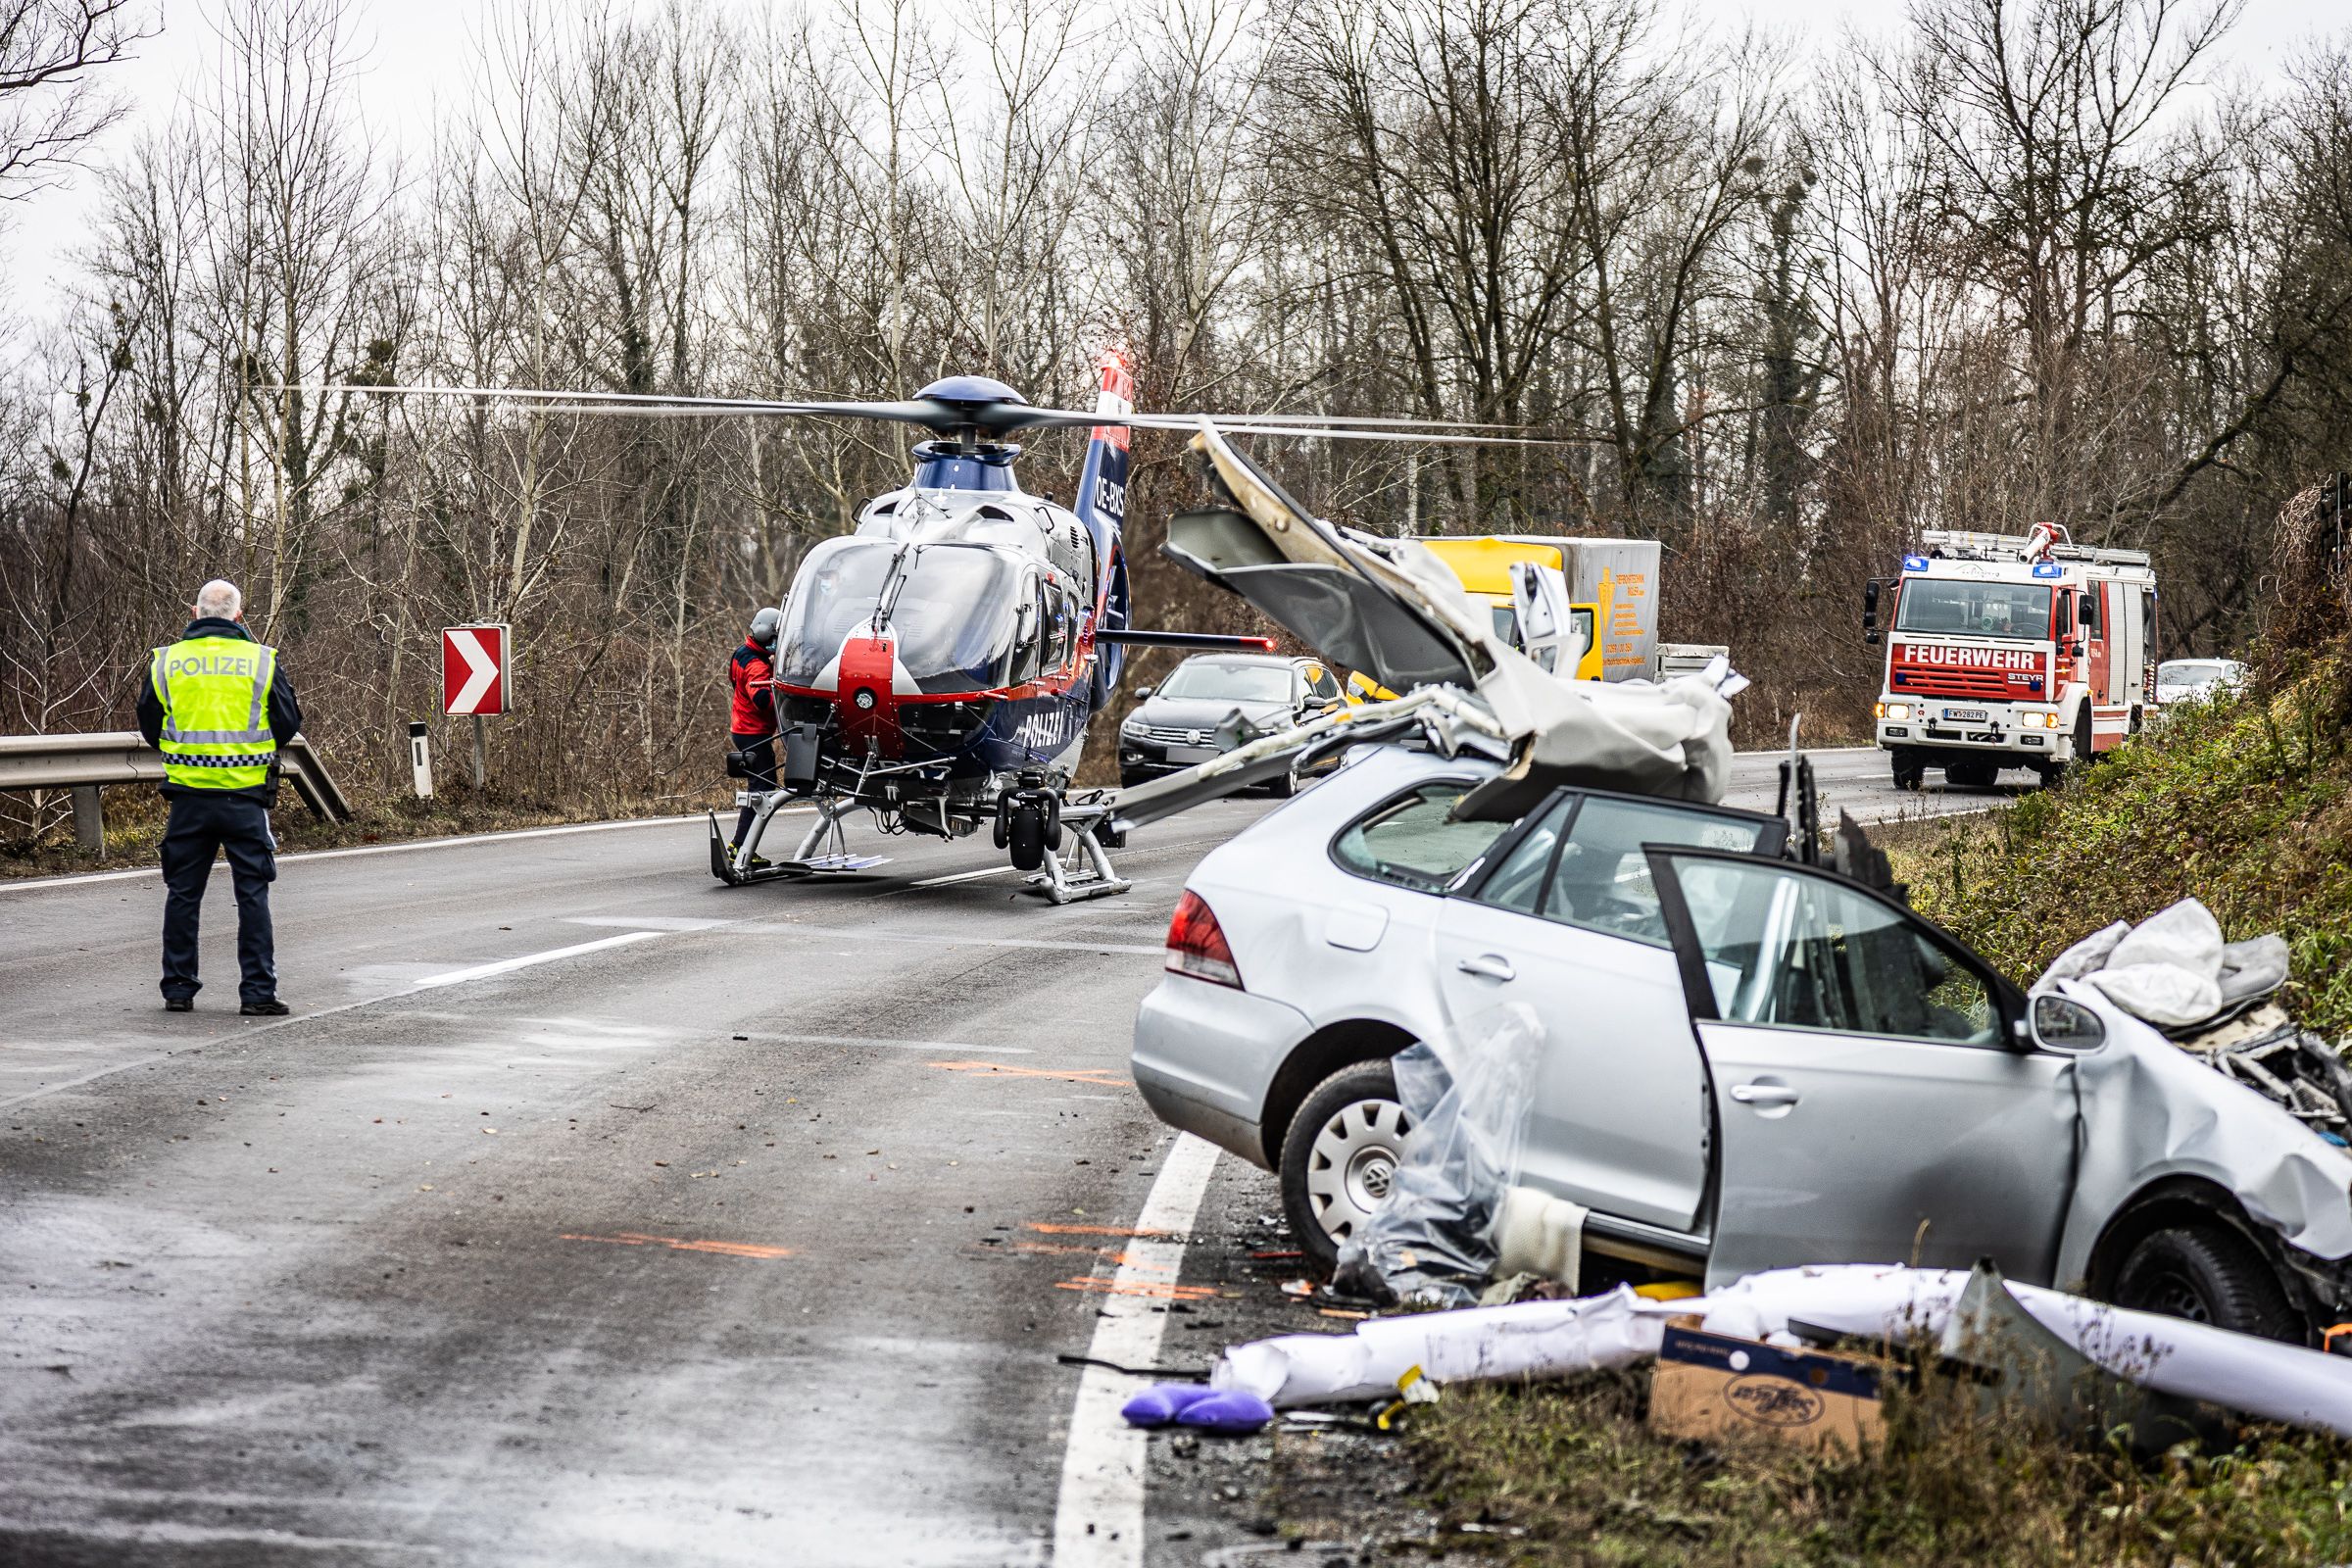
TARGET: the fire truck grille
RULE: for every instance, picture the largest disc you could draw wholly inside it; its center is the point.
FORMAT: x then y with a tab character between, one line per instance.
1984	683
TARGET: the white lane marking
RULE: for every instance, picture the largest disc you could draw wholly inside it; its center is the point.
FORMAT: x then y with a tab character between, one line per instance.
963	876
454	842
91	1076
645	922
483	971
892	1045
1098	1519
939	939
430	983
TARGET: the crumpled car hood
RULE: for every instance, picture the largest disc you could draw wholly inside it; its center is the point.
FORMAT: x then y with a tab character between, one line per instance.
2151	1110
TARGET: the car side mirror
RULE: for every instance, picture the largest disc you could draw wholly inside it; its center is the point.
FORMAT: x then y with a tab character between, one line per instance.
2064	1025
1143	694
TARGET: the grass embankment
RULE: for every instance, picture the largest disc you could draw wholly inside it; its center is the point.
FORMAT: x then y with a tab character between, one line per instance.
2246	804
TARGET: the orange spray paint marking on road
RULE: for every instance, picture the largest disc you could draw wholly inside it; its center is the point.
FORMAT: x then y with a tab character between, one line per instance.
1151	1288
1050	1228
678	1243
1099	1077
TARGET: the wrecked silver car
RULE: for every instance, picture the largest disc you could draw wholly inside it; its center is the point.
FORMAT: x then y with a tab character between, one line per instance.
1749	1063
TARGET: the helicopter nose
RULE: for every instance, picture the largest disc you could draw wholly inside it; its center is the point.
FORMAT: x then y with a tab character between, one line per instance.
869	710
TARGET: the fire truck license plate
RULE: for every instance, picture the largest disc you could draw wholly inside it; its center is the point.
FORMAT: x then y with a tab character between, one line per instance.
1965	713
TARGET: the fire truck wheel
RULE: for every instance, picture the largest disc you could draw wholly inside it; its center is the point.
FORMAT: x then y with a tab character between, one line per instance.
1908	774
2085	755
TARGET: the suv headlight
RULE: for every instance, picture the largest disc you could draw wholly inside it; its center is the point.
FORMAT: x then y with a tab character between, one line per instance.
1131	727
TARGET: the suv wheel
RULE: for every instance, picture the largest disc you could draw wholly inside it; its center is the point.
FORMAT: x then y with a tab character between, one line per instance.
1338	1158
2205	1274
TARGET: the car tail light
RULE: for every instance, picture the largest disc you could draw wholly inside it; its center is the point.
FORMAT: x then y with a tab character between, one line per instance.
1197	944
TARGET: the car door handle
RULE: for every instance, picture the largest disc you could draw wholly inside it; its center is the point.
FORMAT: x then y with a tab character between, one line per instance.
1761	1092
1492	965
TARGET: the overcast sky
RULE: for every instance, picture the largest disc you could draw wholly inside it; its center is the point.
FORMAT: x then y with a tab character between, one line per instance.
421	52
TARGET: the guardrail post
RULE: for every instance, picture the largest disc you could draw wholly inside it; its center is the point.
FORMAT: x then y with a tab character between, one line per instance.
89	820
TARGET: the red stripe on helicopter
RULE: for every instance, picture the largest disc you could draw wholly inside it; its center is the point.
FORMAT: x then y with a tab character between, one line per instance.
869	709
1117	397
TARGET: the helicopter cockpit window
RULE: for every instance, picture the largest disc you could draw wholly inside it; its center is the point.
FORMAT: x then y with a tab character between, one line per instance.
951	611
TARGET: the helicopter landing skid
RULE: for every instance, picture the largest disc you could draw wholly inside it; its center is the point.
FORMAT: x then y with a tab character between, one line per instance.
736	868
1087	873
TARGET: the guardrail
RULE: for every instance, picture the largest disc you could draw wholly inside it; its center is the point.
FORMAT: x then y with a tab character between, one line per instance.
83	764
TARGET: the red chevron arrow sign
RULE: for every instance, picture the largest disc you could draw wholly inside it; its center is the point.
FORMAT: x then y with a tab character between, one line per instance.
473	670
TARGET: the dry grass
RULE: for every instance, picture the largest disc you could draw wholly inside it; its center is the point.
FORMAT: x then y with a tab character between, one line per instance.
1575	1466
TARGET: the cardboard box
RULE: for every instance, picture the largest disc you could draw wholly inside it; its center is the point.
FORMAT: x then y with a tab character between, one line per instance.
1713	1386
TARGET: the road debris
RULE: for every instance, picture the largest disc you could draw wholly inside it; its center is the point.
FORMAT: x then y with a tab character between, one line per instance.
2263	1379
1197	1407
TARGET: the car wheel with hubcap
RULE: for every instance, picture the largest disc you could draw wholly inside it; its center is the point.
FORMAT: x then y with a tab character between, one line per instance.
2205	1274
1340	1156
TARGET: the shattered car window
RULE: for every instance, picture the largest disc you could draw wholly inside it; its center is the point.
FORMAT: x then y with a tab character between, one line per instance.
1518	882
1793	952
1603	880
1415	842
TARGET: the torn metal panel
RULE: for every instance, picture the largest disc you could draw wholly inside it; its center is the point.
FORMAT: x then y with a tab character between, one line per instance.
1390	609
2151	1110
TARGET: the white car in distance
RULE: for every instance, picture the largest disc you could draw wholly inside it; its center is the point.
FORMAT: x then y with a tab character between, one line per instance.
2181	680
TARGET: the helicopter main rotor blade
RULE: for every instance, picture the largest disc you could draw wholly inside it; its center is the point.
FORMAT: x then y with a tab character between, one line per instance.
942	418
937	415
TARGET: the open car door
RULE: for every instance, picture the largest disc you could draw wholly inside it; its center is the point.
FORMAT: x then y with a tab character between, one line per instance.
1873	1101
1547	626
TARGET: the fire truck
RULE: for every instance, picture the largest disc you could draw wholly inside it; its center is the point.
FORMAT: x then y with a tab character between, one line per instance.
2012	651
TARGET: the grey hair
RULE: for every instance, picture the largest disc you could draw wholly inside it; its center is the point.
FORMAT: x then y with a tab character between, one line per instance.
219	599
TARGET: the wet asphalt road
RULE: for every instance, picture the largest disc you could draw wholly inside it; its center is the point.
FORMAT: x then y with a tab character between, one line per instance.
744	1230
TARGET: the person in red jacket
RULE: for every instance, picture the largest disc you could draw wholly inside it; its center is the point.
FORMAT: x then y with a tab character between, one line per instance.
752	719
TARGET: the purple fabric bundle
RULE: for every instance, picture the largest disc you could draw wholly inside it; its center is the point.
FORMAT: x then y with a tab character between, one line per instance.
1190	1405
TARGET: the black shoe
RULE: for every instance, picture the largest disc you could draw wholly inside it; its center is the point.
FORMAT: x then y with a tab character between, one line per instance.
180	1003
270	1009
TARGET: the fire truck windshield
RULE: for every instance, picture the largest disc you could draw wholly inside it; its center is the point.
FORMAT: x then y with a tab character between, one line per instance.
1968	608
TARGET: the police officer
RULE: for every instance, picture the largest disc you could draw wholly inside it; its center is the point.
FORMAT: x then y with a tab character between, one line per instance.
218	704
752	716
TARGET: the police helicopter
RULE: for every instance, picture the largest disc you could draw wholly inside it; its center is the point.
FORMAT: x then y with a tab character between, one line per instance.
937	665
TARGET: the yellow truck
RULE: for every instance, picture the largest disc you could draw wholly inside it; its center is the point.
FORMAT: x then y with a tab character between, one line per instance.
1612	596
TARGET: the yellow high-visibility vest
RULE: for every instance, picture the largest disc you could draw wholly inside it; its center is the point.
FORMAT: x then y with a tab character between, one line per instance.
215	697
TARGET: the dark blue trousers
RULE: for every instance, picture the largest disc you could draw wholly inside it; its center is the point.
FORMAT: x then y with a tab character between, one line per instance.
763	776
200	826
